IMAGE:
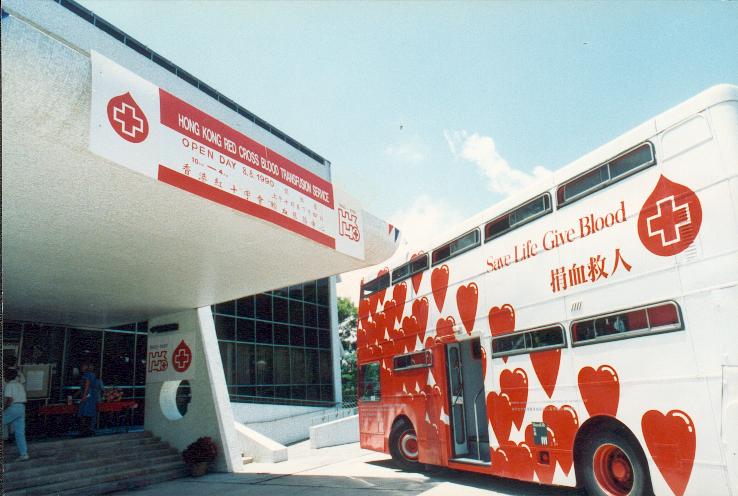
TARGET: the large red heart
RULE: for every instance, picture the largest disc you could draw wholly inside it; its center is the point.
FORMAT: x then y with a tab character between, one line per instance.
521	461
546	365
466	302
499	462
515	385
445	328
564	423
600	390
439	284
416	278
363	312
545	471
500	416
420	312
672	440
399	294
376	298
501	319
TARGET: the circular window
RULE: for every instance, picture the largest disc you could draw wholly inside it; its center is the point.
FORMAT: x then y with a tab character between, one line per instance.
183	397
174	399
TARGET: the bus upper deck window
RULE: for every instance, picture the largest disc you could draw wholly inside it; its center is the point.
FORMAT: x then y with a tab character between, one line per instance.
635	322
643	155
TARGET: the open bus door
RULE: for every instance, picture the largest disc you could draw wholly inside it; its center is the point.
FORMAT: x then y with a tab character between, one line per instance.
456	383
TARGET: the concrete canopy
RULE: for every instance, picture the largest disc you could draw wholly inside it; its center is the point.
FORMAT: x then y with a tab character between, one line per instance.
90	243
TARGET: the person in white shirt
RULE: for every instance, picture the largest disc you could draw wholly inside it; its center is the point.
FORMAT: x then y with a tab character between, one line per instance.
14	413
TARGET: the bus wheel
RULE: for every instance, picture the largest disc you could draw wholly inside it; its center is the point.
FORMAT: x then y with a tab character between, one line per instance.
612	466
404	446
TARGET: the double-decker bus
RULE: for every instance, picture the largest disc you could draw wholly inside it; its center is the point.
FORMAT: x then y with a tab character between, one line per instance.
581	333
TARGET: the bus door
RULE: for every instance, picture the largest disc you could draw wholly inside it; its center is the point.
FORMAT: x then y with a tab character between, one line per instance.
456	383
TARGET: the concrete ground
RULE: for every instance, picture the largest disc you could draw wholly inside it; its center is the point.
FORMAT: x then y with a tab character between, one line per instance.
343	470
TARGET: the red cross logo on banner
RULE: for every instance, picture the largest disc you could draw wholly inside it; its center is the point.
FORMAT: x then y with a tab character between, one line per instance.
182	357
670	219
127	118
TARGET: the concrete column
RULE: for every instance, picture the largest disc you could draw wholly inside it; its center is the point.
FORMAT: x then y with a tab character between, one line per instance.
337	348
209	412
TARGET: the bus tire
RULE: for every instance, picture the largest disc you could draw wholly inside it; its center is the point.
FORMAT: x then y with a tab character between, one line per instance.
613	466
403	446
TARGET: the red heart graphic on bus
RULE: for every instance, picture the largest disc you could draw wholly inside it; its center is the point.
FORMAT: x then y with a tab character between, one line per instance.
420	312
564	423
445	328
515	385
521	461
409	325
672	440
670	218
499	462
545	471
399	294
376	298
466	302
500	416
546	366
416	278
439	284
501	319
600	390
363	312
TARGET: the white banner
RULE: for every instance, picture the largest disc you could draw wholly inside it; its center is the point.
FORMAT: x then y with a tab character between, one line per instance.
143	127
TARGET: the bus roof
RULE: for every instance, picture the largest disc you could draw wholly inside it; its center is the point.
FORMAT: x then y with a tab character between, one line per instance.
708	98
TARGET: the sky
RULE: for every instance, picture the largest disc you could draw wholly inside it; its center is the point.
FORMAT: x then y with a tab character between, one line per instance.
432	111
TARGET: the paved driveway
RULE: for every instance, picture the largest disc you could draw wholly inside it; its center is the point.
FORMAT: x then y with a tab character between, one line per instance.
340	471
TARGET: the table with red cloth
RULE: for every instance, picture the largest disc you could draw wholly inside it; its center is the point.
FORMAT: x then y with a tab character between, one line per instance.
64	409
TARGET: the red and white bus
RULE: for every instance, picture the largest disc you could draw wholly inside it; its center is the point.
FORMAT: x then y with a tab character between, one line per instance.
582	333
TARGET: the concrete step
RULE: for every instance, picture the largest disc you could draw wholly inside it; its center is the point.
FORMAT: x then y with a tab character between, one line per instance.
126	484
64	454
106	482
76	443
88	468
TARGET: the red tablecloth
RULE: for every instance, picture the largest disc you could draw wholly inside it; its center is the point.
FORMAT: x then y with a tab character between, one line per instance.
64	409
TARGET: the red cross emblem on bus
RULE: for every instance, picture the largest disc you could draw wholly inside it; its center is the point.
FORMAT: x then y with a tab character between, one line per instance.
127	118
182	357
670	219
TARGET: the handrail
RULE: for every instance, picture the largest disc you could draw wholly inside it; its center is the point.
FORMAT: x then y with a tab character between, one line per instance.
476	422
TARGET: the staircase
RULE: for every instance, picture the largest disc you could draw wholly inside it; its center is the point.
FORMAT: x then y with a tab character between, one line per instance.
90	466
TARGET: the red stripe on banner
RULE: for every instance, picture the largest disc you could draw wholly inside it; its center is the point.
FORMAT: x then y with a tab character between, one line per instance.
173	178
192	122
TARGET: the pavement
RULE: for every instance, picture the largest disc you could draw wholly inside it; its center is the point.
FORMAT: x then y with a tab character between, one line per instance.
340	471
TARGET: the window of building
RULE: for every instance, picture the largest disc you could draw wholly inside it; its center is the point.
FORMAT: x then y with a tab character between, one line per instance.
627	323
456	247
543	338
369	388
528	212
605	174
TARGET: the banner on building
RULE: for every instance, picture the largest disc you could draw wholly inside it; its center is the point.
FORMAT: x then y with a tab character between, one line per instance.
170	356
151	131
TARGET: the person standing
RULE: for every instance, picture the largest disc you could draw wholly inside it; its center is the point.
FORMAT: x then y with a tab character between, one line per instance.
88	401
14	413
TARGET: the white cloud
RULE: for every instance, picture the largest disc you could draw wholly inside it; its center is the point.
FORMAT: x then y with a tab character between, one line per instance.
419	224
482	152
411	151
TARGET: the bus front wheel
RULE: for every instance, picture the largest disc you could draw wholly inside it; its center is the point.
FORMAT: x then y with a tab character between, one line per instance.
613	466
404	446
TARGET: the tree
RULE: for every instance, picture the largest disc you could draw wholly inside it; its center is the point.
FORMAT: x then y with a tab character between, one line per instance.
347	320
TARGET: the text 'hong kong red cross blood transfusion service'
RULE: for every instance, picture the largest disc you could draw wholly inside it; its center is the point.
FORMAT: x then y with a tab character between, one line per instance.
583	333
148	129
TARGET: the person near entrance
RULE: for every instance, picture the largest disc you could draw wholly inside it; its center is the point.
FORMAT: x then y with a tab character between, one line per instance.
89	386
14	414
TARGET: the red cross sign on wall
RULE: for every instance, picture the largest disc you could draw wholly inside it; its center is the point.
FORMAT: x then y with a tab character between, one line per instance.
670	218
127	119
181	357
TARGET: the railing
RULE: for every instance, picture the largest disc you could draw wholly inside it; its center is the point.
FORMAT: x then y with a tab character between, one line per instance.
476	423
341	410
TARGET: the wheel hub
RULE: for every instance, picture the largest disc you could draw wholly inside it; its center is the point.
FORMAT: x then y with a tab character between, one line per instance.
613	470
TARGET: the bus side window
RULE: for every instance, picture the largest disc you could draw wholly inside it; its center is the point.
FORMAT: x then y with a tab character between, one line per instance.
638	321
369	387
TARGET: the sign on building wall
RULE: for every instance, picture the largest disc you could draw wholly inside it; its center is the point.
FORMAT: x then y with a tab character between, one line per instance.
147	129
169	356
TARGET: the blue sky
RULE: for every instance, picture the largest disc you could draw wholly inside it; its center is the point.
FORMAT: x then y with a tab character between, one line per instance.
430	112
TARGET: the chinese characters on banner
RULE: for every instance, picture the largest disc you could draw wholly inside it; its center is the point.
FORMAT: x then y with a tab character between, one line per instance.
145	128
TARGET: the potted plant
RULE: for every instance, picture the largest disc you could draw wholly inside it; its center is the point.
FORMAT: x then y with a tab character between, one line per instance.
199	454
